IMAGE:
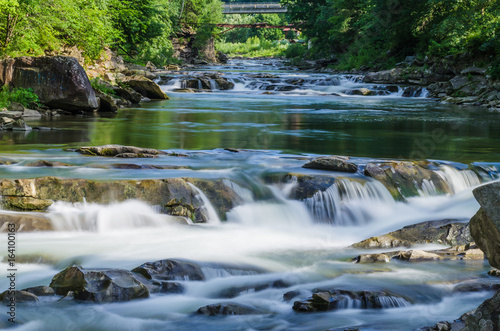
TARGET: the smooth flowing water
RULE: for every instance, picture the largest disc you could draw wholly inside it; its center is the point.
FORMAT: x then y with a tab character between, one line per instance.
302	244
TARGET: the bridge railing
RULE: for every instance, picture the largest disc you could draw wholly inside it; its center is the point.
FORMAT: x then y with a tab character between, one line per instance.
256	7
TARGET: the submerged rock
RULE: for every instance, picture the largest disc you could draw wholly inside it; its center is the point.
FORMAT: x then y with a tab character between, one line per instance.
25	222
445	232
180	269
171	269
44	163
99	285
341	299
332	163
20	297
119	150
41	291
462	252
229	309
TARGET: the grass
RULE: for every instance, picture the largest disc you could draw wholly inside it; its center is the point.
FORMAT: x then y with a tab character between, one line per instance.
253	47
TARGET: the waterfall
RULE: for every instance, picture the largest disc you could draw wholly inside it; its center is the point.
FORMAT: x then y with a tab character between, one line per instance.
347	202
213	218
278	212
93	217
391	302
243	193
458	180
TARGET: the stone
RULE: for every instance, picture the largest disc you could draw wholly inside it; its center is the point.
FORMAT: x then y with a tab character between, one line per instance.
25	203
445	232
360	91
494	272
171	269
128	94
44	163
106	103
342	299
228	309
172	194
20	297
15	106
41	291
117	150
473	71
290	295
458	81
485	225
332	163
221	57
405	179
146	87
59	82
31	113
99	285
180	269
25	222
419	255
392	76
373	258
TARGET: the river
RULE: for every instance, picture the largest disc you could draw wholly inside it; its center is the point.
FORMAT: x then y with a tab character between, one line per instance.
276	122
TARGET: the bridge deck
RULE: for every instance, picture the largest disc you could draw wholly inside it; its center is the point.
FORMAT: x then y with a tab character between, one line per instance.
253	8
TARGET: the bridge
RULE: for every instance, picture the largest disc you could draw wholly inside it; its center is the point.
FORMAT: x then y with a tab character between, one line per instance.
253	8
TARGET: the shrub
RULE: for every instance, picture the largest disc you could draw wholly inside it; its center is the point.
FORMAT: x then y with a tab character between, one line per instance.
26	97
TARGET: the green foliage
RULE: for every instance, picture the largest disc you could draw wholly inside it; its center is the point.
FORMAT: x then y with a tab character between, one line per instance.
367	32
494	72
26	97
253	47
295	51
141	30
99	85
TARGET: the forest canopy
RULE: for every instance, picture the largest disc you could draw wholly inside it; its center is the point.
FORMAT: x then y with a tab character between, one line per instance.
141	29
365	32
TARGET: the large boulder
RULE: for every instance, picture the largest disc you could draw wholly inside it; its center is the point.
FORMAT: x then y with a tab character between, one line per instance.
406	179
146	87
485	225
59	81
99	285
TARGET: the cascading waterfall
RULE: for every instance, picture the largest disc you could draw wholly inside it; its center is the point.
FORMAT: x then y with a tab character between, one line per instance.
280	212
347	202
245	194
213	218
92	217
458	180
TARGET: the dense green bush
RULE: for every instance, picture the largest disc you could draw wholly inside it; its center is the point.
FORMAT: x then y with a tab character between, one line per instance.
26	97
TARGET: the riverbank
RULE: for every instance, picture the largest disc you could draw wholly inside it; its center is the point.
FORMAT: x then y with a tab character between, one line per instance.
454	79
